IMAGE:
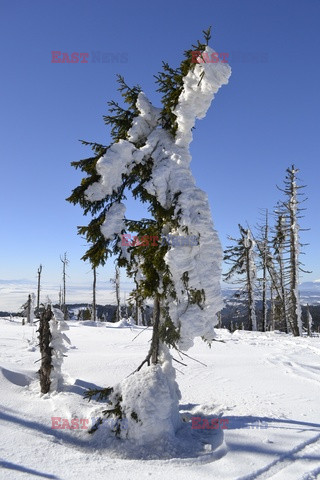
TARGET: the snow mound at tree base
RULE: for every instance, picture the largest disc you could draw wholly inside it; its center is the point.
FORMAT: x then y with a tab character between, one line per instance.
150	426
186	445
148	403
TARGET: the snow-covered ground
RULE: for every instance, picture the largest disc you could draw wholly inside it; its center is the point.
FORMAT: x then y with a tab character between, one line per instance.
265	384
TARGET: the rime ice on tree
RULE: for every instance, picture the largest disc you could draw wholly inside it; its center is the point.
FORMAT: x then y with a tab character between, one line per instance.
172	185
150	157
52	348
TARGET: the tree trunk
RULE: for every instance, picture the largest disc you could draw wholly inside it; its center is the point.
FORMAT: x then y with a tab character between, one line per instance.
251	306
136	312
294	301
29	309
118	294
272	312
155	341
284	296
143	317
65	262
45	349
219	317
309	320
295	312
94	313
60	298
38	295
264	278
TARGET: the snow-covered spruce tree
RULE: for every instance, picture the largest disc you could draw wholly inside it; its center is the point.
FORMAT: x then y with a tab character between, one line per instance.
58	344
290	211
52	347
241	257
28	308
137	305
150	158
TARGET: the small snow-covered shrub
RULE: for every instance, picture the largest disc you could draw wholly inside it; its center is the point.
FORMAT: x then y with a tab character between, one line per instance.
52	348
149	402
58	344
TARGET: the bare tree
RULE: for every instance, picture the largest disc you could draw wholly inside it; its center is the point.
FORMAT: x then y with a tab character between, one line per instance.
266	263
39	280
291	213
116	282
94	310
279	244
291	190
65	263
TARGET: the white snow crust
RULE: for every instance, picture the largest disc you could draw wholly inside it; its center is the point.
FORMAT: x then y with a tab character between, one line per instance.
265	384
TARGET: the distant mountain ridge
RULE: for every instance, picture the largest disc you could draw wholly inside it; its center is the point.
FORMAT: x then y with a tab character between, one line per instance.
310	286
309	292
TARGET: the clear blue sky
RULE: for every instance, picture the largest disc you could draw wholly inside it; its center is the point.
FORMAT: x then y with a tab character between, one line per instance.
266	118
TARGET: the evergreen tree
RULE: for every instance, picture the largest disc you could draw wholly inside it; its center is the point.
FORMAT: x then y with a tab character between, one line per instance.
241	257
85	314
28	309
149	157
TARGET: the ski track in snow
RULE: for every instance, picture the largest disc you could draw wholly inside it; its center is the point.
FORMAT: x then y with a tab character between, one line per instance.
309	368
265	384
294	460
